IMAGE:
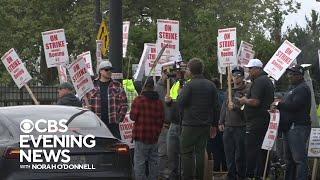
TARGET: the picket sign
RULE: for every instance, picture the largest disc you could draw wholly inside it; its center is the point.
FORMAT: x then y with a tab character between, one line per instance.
87	58
98	54
126	127
18	71
281	60
138	75
55	47
314	149
167	35
245	53
125	35
80	77
227	47
270	136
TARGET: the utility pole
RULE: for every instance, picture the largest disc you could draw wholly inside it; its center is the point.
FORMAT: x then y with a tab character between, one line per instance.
115	49
98	17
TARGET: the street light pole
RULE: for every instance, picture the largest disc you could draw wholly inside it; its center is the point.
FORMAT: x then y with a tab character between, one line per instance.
115	49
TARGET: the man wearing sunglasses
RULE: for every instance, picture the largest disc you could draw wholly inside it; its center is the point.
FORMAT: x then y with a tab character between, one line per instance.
256	106
108	98
296	108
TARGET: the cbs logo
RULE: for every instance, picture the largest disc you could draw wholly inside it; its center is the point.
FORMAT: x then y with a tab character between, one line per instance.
42	125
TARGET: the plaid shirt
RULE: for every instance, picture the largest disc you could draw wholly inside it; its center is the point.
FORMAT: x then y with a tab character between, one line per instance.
148	115
117	101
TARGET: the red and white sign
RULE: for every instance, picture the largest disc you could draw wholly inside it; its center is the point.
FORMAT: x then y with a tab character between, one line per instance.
167	33
281	60
151	57
80	77
272	132
125	34
87	57
227	47
62	71
16	68
126	127
55	48
245	53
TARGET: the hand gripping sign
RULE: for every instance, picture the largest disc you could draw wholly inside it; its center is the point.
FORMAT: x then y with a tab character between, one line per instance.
281	60
80	77
55	48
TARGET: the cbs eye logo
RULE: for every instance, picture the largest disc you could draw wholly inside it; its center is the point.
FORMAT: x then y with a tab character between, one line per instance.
26	126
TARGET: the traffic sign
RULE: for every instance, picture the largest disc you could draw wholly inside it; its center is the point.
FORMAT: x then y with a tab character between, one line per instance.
103	34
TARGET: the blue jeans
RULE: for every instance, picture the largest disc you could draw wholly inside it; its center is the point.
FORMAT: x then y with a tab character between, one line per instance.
234	148
142	153
162	150
173	142
295	146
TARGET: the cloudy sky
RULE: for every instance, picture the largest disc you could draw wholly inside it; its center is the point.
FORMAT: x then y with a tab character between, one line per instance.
299	17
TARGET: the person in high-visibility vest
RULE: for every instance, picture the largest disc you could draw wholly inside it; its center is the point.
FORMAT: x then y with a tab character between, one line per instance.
318	112
173	137
130	90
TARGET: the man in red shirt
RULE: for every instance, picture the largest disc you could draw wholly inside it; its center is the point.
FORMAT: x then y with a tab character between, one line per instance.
148	113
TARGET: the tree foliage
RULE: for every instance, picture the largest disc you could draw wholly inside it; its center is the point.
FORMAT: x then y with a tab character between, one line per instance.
257	21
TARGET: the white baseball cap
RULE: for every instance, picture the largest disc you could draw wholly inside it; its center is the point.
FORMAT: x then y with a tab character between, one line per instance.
105	65
254	63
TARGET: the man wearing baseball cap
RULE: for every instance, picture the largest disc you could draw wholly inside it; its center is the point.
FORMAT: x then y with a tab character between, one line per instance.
296	108
66	96
256	106
232	123
108	98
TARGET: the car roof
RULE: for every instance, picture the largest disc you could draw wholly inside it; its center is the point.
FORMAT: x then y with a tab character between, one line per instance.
41	112
39	108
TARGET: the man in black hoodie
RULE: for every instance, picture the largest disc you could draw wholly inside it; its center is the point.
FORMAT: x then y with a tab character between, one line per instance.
66	96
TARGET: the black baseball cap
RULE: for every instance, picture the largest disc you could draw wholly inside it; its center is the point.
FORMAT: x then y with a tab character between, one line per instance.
296	69
239	71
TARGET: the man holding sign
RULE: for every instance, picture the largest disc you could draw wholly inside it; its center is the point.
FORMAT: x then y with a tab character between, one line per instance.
256	106
296	107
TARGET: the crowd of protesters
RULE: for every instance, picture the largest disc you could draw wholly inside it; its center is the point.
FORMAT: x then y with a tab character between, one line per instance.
174	127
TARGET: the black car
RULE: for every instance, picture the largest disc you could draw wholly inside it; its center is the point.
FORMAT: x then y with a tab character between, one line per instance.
26	153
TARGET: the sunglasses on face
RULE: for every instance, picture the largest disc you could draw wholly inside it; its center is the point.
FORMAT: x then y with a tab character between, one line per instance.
106	70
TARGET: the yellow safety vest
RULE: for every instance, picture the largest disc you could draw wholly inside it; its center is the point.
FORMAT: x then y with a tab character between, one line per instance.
174	91
128	85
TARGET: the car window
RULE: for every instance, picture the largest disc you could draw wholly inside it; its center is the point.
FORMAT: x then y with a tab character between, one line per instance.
85	120
4	134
